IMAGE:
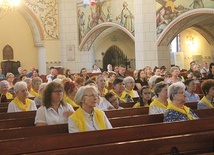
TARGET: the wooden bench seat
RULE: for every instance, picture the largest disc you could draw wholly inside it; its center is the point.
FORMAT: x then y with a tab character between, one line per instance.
115	121
186	143
111	136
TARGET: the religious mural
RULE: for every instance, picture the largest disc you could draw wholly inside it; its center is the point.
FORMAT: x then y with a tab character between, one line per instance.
47	13
120	12
168	10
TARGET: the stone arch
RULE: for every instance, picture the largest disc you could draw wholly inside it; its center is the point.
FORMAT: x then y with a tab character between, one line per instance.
36	28
97	30
187	20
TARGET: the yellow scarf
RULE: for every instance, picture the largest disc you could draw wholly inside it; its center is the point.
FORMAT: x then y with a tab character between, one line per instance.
205	100
185	110
33	93
130	92
9	95
122	97
70	101
158	103
79	119
23	107
105	91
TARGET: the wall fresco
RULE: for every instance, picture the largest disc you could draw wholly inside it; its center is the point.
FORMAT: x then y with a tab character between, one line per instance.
47	13
120	12
168	10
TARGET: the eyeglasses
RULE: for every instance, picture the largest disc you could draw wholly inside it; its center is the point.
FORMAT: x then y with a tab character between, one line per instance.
92	95
183	93
147	93
57	91
131	82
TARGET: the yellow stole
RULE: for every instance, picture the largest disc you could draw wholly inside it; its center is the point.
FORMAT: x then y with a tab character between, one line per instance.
205	100
122	97
70	101
23	107
130	92
105	91
158	103
9	95
32	92
79	119
185	110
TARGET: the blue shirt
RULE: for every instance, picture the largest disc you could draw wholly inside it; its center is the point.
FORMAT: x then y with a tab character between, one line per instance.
172	116
192	97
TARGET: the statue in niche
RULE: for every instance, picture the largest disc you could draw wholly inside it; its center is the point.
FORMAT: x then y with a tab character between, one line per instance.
7	52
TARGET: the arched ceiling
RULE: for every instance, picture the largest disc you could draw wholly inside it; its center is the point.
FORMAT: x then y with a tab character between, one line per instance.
105	30
200	20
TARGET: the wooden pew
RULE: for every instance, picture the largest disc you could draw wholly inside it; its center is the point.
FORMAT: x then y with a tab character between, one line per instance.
127	112
116	135
128	104
186	143
117	121
17	115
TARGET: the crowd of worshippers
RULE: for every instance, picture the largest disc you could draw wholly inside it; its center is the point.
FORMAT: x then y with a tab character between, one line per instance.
81	101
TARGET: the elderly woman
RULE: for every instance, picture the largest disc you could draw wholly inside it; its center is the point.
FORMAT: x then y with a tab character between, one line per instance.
207	88
87	117
158	106
21	102
29	85
38	99
145	97
119	91
10	78
101	82
175	75
176	110
5	95
190	91
70	92
129	86
54	110
36	82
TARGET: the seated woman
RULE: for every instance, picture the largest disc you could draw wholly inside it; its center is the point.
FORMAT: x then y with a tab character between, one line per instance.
38	99
54	110
159	104
36	82
70	92
129	86
207	88
176	110
141	80
10	78
5	95
87	117
113	100
21	102
119	91
145	97
190	91
101	82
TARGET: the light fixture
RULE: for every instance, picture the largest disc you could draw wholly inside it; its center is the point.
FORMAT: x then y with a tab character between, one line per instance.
7	5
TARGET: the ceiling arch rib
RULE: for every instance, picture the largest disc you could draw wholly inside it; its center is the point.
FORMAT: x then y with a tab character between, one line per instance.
194	18
93	34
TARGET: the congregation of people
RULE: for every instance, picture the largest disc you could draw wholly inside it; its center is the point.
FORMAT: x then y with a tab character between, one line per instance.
81	100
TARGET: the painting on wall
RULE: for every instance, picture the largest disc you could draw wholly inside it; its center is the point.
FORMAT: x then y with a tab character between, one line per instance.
168	10
119	12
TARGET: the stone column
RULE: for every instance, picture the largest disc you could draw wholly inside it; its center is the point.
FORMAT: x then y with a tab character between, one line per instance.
42	60
145	33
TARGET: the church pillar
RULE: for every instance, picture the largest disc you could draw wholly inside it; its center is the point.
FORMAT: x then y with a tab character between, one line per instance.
41	60
164	58
145	34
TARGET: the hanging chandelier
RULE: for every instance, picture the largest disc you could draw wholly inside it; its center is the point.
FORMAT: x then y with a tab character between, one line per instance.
6	5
